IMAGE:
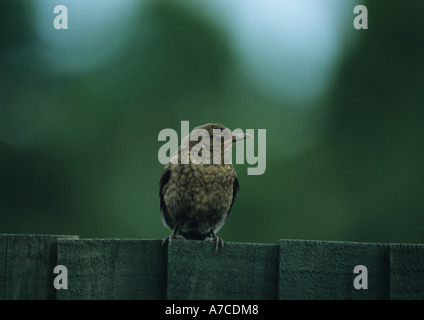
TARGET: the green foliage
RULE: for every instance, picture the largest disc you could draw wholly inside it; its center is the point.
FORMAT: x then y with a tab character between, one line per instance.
78	152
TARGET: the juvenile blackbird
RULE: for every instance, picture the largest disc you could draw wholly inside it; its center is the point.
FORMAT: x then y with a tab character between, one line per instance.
196	198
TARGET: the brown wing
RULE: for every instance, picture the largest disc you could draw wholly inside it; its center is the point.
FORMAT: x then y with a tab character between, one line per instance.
236	189
164	178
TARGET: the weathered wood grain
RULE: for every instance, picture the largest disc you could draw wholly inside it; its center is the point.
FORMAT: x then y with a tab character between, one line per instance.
236	271
144	269
26	266
406	271
324	270
3	254
113	269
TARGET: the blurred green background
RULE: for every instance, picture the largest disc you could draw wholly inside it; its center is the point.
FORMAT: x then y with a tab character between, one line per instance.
81	110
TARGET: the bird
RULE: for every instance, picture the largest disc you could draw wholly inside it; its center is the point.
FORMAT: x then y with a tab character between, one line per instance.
197	197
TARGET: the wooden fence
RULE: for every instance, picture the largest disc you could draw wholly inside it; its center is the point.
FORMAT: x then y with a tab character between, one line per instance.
143	269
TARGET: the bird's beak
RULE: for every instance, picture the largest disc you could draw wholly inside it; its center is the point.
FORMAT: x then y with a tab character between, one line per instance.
240	136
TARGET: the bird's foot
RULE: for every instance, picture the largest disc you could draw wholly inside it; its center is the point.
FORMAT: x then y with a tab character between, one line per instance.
171	237
218	241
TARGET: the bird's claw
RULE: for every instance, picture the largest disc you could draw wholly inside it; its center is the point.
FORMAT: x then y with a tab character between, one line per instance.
218	241
171	237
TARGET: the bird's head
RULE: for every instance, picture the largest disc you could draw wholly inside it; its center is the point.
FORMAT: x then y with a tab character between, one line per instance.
220	139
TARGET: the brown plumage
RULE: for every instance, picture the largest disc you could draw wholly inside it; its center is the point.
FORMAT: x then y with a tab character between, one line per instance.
196	198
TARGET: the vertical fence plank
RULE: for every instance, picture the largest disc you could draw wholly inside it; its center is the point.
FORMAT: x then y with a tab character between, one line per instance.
406	271
236	271
113	269
324	270
3	253
28	262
